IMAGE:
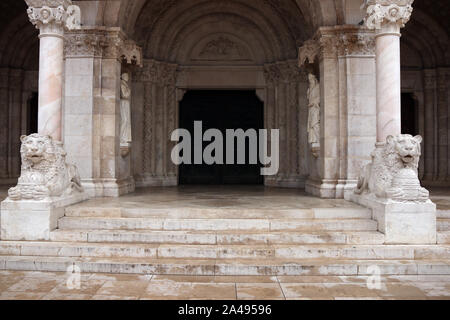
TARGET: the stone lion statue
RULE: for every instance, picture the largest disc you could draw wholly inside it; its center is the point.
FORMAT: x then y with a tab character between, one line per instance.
393	172
45	172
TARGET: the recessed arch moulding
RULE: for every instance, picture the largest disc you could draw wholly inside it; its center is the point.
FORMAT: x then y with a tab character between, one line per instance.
233	44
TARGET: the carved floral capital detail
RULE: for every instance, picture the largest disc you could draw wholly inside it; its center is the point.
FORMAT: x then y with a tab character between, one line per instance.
104	43
382	12
52	16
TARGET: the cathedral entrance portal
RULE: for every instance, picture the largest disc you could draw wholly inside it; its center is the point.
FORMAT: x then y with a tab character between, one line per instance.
221	110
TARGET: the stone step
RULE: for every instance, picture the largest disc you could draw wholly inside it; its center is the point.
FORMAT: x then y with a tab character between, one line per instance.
219	213
269	267
165	251
443	237
443	224
221	237
443	214
89	223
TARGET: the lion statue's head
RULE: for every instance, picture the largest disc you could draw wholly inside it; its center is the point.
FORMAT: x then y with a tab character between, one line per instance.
36	148
406	147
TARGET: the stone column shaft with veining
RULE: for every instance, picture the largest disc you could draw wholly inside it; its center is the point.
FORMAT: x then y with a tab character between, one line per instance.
387	17
50	17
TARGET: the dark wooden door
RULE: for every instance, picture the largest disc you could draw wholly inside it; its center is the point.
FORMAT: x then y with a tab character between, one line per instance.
221	110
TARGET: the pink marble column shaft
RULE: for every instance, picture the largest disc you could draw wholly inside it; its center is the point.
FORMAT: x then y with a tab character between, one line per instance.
51	66
388	83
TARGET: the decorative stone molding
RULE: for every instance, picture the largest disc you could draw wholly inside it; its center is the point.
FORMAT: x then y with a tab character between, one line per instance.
84	43
308	52
223	48
283	72
131	53
344	40
387	12
161	73
52	16
393	173
356	43
45	173
271	74
108	43
328	46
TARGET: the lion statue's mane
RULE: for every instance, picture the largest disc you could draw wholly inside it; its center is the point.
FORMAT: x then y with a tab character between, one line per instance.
398	153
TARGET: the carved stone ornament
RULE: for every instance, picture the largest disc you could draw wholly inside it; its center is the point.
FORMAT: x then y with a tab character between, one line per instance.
125	115
45	173
314	114
162	73
52	16
393	171
357	44
380	12
131	53
223	48
308	52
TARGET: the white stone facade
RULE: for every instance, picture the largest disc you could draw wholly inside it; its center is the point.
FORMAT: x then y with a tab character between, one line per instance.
238	47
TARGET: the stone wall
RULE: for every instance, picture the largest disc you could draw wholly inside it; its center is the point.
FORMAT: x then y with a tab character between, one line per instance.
16	90
346	60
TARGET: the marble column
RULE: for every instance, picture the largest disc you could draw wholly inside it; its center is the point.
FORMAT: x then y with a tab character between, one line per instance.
387	17
51	17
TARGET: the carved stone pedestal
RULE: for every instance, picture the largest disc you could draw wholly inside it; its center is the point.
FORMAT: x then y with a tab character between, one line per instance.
402	222
33	220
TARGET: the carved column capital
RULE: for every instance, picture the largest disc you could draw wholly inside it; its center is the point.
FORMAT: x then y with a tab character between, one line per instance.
328	46
387	14
356	43
51	17
161	73
131	53
84	44
272	74
308	52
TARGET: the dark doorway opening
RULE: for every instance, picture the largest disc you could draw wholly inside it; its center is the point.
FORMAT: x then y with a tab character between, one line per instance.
410	115
32	114
221	110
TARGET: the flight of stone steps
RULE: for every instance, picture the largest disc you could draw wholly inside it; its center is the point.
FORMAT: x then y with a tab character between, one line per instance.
443	226
190	241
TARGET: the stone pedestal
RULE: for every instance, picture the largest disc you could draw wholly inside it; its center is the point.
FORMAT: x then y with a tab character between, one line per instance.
33	220
402	222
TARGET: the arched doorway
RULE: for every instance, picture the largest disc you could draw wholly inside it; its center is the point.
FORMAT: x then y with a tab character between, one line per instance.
219	45
222	110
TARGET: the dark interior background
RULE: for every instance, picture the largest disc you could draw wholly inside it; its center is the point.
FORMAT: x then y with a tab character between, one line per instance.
221	110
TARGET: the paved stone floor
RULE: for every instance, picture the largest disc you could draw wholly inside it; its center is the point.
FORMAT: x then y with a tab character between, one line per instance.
19	285
50	285
215	197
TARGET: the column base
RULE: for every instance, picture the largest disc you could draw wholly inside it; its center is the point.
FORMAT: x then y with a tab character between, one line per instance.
285	182
325	189
33	220
156	181
96	188
402	222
